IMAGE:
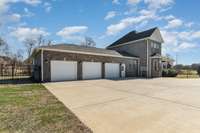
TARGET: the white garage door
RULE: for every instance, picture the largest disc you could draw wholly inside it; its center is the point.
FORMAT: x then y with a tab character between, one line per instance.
63	70
91	70
112	70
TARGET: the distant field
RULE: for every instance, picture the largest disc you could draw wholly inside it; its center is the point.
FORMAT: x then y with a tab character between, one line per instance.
187	74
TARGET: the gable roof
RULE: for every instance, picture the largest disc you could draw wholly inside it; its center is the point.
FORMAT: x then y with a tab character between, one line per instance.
133	36
82	49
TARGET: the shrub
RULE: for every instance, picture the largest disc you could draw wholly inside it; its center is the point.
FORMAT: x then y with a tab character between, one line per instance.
169	72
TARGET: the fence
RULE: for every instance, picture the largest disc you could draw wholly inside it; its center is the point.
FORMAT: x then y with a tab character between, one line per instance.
14	72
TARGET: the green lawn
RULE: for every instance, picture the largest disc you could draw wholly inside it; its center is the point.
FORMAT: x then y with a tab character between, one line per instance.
33	109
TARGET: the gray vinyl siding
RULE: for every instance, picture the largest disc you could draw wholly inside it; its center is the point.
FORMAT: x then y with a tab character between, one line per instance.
153	51
138	49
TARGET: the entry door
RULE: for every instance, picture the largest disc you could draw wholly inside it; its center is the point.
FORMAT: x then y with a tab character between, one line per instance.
91	70
63	70
123	70
112	70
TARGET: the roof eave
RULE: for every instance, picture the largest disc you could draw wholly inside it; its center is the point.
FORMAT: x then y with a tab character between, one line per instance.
88	53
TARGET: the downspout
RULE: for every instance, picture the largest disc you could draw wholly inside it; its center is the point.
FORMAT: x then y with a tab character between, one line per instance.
147	59
139	67
42	67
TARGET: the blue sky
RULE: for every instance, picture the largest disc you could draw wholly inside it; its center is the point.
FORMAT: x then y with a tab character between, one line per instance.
105	21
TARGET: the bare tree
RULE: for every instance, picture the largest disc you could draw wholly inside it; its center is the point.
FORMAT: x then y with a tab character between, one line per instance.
40	40
30	44
88	42
4	48
49	43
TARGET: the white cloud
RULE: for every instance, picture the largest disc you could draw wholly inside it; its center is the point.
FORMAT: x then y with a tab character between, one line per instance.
179	41
157	4
10	18
15	17
174	23
21	33
47	6
28	13
115	2
4	4
129	21
30	2
189	35
170	38
110	15
185	46
133	2
196	35
72	32
189	25
6	16
169	17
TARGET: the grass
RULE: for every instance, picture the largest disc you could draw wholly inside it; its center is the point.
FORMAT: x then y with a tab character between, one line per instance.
33	109
187	76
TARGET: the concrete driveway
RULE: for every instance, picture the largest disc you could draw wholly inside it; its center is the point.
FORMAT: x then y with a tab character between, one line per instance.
133	106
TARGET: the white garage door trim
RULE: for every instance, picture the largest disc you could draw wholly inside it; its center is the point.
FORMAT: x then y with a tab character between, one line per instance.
91	70
112	70
63	70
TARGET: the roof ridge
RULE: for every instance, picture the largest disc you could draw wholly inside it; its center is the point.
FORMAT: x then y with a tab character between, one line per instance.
133	36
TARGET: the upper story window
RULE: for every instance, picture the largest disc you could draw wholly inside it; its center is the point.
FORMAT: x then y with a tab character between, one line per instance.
155	45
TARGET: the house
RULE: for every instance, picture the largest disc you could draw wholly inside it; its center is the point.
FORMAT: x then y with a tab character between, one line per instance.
147	46
135	54
4	60
73	62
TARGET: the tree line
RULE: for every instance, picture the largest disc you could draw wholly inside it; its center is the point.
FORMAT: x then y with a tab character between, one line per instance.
30	44
194	66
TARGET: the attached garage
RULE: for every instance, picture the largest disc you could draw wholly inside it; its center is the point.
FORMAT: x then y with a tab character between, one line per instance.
91	70
63	70
66	62
112	70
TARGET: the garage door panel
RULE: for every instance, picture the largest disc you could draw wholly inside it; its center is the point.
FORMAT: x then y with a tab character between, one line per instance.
63	70
91	70
112	70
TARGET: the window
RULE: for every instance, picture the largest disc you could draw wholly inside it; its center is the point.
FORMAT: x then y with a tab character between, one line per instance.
152	45
155	45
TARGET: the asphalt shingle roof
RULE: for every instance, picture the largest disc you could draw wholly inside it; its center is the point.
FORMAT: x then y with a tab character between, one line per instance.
79	48
133	36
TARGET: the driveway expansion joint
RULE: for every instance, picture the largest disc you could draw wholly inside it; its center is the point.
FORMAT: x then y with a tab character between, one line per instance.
100	103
